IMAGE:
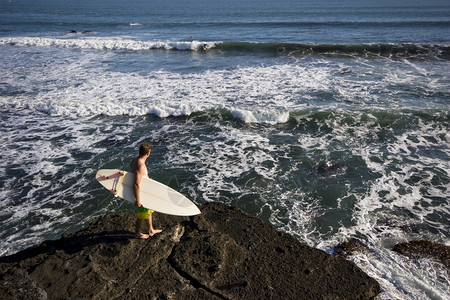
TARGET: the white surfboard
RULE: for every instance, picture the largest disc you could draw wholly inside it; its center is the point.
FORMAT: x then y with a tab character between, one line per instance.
154	195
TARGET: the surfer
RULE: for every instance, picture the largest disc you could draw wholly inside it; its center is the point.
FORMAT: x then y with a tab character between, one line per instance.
139	168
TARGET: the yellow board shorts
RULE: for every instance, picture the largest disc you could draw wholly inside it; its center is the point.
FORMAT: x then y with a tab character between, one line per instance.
143	213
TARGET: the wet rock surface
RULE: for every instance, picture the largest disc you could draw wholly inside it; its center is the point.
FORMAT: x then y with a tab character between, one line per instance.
349	248
223	253
422	249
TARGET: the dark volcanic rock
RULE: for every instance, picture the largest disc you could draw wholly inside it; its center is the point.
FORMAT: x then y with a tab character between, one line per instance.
349	247
420	249
223	253
331	169
16	284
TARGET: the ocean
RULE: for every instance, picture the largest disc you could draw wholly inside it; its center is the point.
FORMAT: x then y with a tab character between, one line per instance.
327	119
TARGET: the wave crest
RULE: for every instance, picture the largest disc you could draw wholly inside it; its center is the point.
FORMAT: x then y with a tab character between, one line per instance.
391	51
107	43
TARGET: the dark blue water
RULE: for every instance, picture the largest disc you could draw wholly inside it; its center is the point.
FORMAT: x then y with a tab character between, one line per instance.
329	120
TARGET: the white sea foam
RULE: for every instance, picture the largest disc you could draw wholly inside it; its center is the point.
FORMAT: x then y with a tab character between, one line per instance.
253	94
99	43
46	178
403	278
82	85
219	162
261	116
164	93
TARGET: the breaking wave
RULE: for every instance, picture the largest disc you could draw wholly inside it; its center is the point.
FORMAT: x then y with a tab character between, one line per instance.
371	50
98	43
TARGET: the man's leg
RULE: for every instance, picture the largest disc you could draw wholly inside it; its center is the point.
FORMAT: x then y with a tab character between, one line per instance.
151	230
140	235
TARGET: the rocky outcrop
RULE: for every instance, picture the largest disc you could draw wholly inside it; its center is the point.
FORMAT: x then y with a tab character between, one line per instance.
421	249
331	169
222	253
349	248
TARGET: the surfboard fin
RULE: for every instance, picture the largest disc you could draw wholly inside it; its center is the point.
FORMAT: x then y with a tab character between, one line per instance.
115	175
118	180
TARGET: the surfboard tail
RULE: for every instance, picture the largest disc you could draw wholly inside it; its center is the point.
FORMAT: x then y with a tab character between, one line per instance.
117	181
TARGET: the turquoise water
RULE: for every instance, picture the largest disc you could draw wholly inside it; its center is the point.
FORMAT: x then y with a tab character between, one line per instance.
330	121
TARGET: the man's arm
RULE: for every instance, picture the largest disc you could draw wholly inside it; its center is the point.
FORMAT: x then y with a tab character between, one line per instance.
137	184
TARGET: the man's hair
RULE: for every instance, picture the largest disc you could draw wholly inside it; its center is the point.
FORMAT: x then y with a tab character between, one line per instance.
145	149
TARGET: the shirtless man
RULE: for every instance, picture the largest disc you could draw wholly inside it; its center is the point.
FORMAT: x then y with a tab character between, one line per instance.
139	168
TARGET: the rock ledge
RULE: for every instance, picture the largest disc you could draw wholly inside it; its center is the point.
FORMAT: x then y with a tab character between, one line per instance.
223	253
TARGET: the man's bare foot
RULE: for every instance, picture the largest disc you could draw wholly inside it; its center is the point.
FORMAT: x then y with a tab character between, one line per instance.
142	236
154	231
